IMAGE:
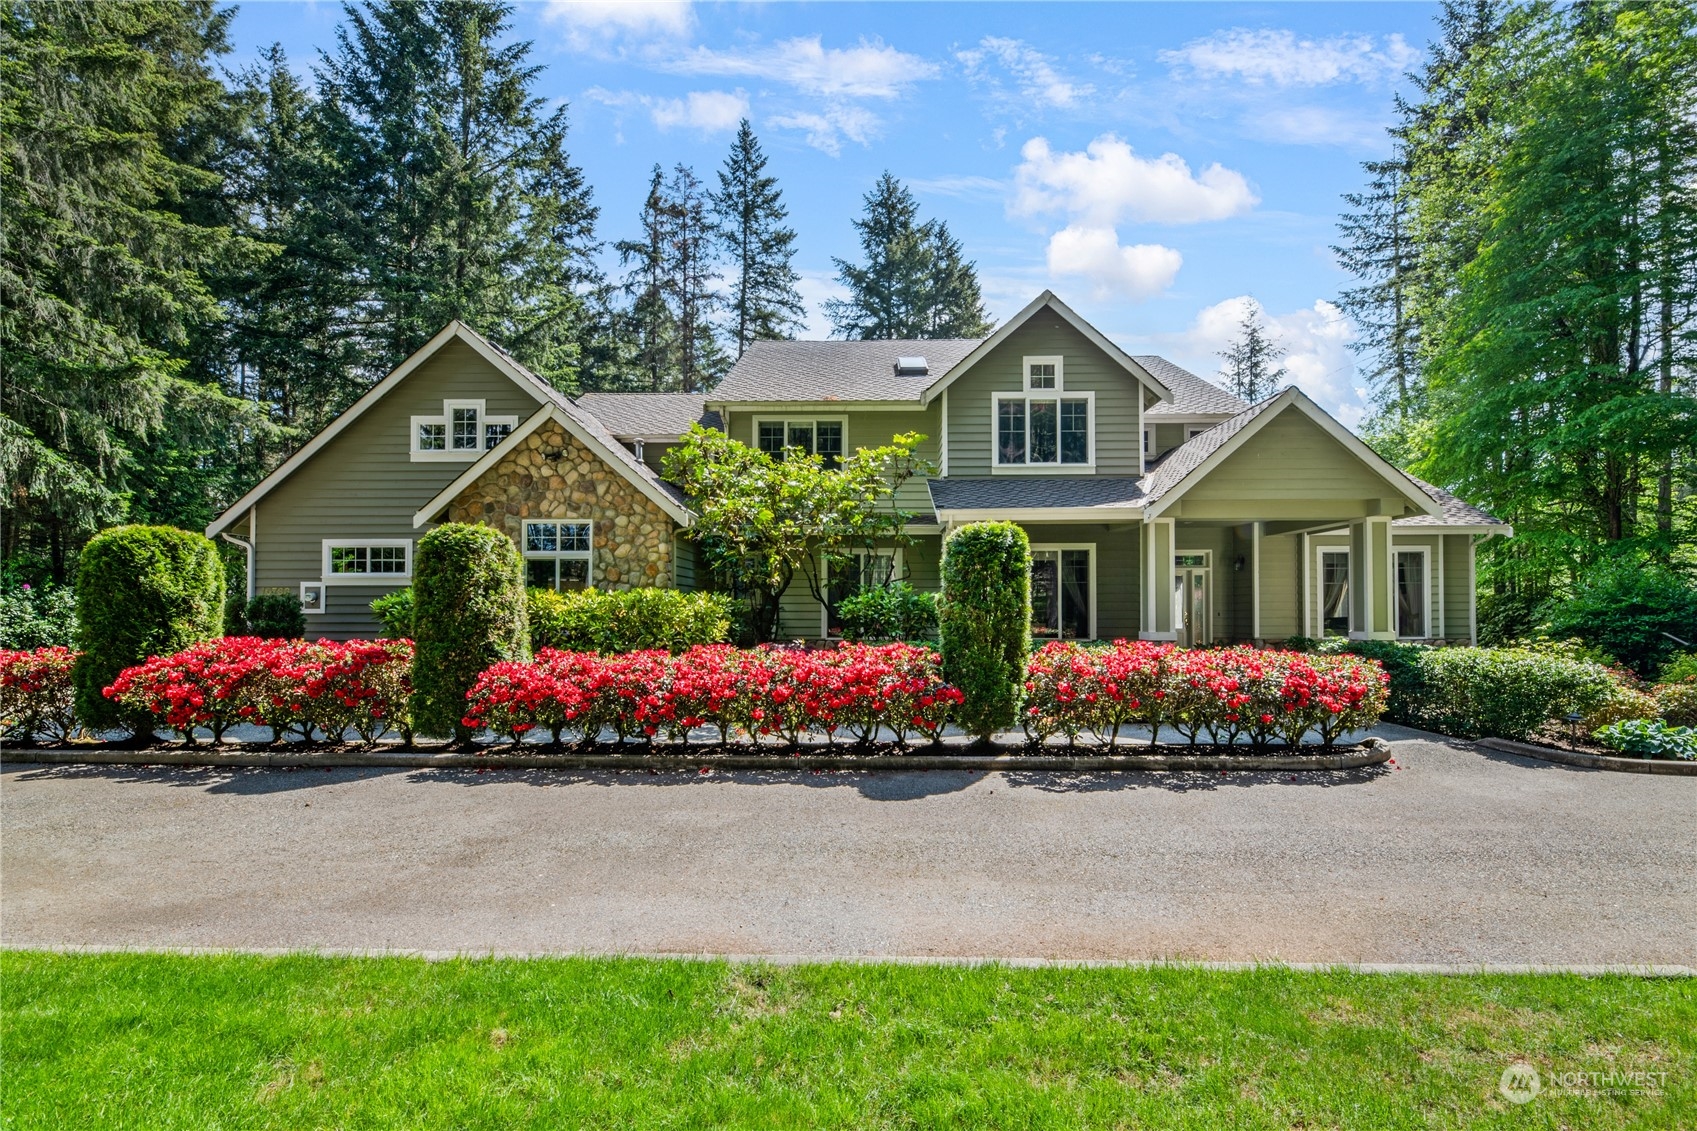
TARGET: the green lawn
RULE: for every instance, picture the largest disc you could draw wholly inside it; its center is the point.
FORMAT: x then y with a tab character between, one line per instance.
157	1041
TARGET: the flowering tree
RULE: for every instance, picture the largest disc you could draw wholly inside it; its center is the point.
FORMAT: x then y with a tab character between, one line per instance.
764	520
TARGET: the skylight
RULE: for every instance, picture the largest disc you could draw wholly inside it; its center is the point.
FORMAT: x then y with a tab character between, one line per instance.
912	366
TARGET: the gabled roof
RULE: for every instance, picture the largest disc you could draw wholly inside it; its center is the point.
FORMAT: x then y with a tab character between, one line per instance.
1192	396
648	416
595	438
1048	301
837	371
1452	512
588	429
1190	463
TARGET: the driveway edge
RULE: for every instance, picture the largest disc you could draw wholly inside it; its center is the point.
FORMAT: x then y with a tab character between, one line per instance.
1591	761
1375	751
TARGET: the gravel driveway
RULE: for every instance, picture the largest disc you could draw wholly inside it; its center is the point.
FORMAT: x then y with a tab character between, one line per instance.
1455	855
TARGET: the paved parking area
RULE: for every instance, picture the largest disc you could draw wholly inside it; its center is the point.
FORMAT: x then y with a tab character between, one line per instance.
1456	855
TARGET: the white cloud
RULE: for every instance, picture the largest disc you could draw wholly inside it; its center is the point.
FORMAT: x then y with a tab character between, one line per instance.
827	128
870	70
1315	125
1095	254
966	185
1033	71
1279	58
709	111
1108	183
596	23
1316	340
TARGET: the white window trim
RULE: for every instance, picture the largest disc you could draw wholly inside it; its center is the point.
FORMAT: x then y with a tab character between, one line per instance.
1090	546
1086	468
799	418
557	555
1426	596
1191	432
1318	606
329	578
322	602
897	566
445	419
1043	359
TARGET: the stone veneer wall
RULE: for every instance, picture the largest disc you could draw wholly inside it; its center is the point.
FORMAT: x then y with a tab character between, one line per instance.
632	535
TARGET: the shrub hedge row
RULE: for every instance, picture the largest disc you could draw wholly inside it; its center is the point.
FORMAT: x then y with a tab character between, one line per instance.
591	620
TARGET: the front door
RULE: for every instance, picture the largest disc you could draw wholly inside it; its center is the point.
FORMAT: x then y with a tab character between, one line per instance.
1191	597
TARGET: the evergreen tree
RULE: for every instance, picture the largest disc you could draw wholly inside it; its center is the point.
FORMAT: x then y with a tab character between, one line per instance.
650	325
103	249
915	282
1252	368
749	212
454	194
1378	250
690	269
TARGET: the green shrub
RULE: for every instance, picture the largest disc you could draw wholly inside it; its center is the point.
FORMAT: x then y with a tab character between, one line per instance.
1679	668
984	620
1625	608
141	591
38	616
1306	644
1504	692
1621	704
274	615
1506	617
889	612
627	620
1400	661
1646	739
468	590
394	610
1677	702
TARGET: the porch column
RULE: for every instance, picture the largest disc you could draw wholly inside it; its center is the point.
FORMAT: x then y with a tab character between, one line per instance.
1372	608
1157	621
1255	530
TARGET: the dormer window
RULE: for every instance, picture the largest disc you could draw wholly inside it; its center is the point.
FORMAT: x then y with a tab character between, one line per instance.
463	431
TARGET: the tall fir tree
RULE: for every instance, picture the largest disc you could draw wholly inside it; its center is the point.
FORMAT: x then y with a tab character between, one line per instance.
1378	250
649	324
915	281
691	268
749	212
1252	368
106	239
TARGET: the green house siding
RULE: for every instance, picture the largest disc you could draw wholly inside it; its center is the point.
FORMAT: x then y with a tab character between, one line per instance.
1086	368
865	428
364	485
1281	587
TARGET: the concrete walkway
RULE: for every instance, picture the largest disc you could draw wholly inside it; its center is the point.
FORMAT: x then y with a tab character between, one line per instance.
1455	855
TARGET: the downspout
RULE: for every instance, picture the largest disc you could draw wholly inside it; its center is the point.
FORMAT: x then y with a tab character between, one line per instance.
247	548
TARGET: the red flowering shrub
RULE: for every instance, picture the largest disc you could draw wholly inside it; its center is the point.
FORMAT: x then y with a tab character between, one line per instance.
288	685
36	696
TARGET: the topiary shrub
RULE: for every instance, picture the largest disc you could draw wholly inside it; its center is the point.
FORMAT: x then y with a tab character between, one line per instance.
889	612
141	591
469	613
984	621
1627	608
394	611
274	615
627	620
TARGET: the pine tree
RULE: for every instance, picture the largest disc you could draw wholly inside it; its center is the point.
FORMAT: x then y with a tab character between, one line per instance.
650	324
915	282
104	252
749	212
690	269
1252	368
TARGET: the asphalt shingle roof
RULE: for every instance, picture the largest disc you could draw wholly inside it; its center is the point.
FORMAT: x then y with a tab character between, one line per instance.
648	414
1182	460
1191	394
1455	511
1033	491
839	371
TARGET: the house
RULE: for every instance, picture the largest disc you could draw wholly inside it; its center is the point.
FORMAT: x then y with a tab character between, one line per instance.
1159	505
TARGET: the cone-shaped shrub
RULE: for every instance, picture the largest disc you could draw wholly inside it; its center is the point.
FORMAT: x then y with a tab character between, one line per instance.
985	622
141	591
469	613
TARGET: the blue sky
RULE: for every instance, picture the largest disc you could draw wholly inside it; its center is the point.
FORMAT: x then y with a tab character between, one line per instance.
1158	165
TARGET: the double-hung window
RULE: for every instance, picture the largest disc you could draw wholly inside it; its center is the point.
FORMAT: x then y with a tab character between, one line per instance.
558	554
463	431
823	438
377	561
1043	426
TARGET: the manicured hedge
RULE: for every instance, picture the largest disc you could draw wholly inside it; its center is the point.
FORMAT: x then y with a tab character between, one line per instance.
469	613
1505	692
984	622
141	591
1226	693
627	620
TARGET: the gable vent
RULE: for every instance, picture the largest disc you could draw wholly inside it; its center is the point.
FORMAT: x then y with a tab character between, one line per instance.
912	367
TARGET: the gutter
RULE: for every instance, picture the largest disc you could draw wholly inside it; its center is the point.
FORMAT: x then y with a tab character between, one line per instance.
247	548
